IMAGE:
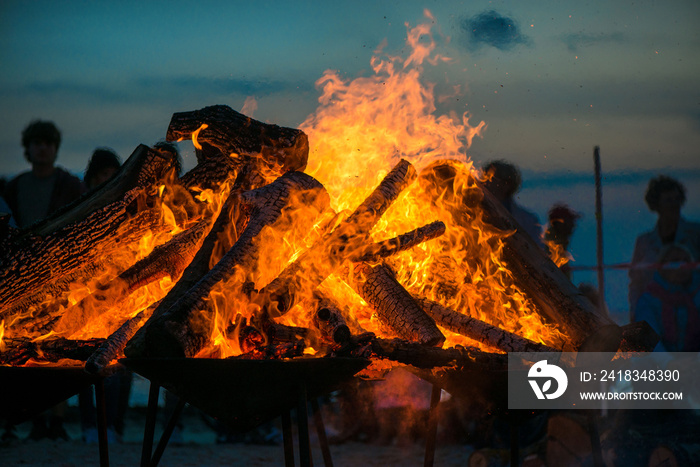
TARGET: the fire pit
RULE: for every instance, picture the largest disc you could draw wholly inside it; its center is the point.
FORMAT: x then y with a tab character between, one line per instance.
28	391
245	393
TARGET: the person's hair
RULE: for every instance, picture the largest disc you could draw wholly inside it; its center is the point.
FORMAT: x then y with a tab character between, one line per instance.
563	212
173	149
659	185
40	130
102	158
505	172
562	222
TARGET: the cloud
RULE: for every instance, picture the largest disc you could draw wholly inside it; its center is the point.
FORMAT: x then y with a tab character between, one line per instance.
147	89
490	28
575	41
244	86
70	89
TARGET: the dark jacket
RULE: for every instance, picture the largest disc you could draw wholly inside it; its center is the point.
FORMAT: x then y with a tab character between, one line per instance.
67	188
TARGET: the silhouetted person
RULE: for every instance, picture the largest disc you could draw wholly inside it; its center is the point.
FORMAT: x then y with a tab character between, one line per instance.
665	196
503	181
32	196
103	165
560	229
35	194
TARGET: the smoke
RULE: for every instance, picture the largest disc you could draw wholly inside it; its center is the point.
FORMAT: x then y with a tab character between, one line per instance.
490	28
249	106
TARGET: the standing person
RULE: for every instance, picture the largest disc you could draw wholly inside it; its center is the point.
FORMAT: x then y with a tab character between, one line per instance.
503	181
39	192
32	196
665	196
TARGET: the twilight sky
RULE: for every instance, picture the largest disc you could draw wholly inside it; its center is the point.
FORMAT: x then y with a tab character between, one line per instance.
550	78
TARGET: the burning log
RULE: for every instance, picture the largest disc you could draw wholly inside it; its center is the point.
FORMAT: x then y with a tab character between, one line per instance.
420	356
479	330
318	262
283	333
169	259
19	350
182	331
115	343
82	233
280	149
403	242
555	297
329	321
394	305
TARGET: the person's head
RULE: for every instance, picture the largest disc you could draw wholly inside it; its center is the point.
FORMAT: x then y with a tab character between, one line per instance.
103	164
665	195
41	140
674	255
172	149
502	179
562	222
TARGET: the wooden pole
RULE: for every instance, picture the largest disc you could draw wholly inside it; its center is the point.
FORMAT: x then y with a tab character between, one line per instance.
599	228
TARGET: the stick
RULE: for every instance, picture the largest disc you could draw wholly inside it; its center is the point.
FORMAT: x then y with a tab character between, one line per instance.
403	242
599	229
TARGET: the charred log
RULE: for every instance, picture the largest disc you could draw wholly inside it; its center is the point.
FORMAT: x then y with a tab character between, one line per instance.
394	305
329	321
232	133
19	351
398	244
283	333
420	356
479	330
114	345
